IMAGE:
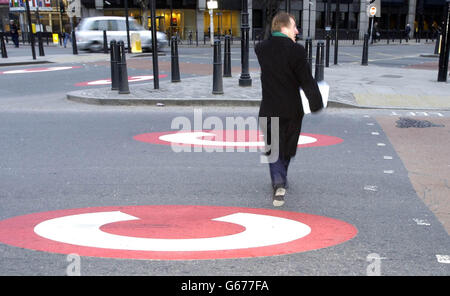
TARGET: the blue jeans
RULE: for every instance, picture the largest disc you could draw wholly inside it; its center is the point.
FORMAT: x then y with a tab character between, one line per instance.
278	172
67	37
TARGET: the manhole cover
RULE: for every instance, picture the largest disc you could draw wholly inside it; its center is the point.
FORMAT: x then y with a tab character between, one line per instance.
404	122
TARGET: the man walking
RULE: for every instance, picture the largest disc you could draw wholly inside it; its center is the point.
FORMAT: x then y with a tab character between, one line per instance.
67	34
14	31
284	70
407	31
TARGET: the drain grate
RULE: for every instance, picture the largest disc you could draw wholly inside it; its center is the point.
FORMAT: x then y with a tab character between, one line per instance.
405	122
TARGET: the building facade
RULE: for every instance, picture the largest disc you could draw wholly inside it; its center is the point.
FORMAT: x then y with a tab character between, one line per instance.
186	17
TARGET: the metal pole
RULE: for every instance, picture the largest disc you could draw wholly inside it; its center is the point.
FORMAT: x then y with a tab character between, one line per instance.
154	46
308	48
245	79
227	57
114	66
365	55
288	6
123	73
30	27
105	42
74	42
211	27
336	44
217	70
309	18
327	50
174	60
445	47
128	26
319	62
371	31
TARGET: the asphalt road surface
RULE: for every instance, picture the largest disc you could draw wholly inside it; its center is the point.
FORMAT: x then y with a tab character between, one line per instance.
69	160
385	184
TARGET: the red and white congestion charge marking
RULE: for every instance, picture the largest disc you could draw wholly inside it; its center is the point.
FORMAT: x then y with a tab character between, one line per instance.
174	232
228	138
39	70
108	81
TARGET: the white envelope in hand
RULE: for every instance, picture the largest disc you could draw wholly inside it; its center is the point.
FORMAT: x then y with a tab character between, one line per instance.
324	91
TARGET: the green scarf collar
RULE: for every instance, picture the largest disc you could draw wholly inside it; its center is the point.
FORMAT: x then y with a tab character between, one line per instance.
279	34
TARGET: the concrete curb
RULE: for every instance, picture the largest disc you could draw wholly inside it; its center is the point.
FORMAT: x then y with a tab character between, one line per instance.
164	102
8	64
73	96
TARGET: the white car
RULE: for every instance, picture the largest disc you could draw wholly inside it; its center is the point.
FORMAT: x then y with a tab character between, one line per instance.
89	33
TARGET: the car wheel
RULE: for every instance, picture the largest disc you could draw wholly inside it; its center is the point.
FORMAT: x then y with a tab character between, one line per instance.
96	46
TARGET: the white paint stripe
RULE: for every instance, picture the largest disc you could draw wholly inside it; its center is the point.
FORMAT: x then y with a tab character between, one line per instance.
84	230
375	133
370	124
371	188
421	222
388	171
37	70
443	259
381	144
130	79
387	157
195	138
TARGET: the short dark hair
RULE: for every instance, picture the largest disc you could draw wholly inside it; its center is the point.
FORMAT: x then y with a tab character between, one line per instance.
280	20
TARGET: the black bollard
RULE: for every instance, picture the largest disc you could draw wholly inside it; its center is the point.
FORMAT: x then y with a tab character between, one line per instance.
319	74
105	42
308	47
227	57
444	48
365	54
3	47
217	71
114	67
40	45
74	43
175	65
196	38
327	51
123	73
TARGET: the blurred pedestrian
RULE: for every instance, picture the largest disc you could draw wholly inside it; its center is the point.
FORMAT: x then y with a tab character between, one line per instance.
407	32
14	31
284	69
67	34
376	33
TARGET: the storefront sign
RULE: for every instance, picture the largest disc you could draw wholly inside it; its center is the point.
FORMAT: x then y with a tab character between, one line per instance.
19	5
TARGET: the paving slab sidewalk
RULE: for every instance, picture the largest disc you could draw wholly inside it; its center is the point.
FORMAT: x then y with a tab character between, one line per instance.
351	85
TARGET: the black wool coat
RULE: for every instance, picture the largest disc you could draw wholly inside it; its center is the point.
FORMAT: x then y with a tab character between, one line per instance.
284	70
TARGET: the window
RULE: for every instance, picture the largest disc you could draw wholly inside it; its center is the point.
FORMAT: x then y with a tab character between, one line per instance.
101	25
132	25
